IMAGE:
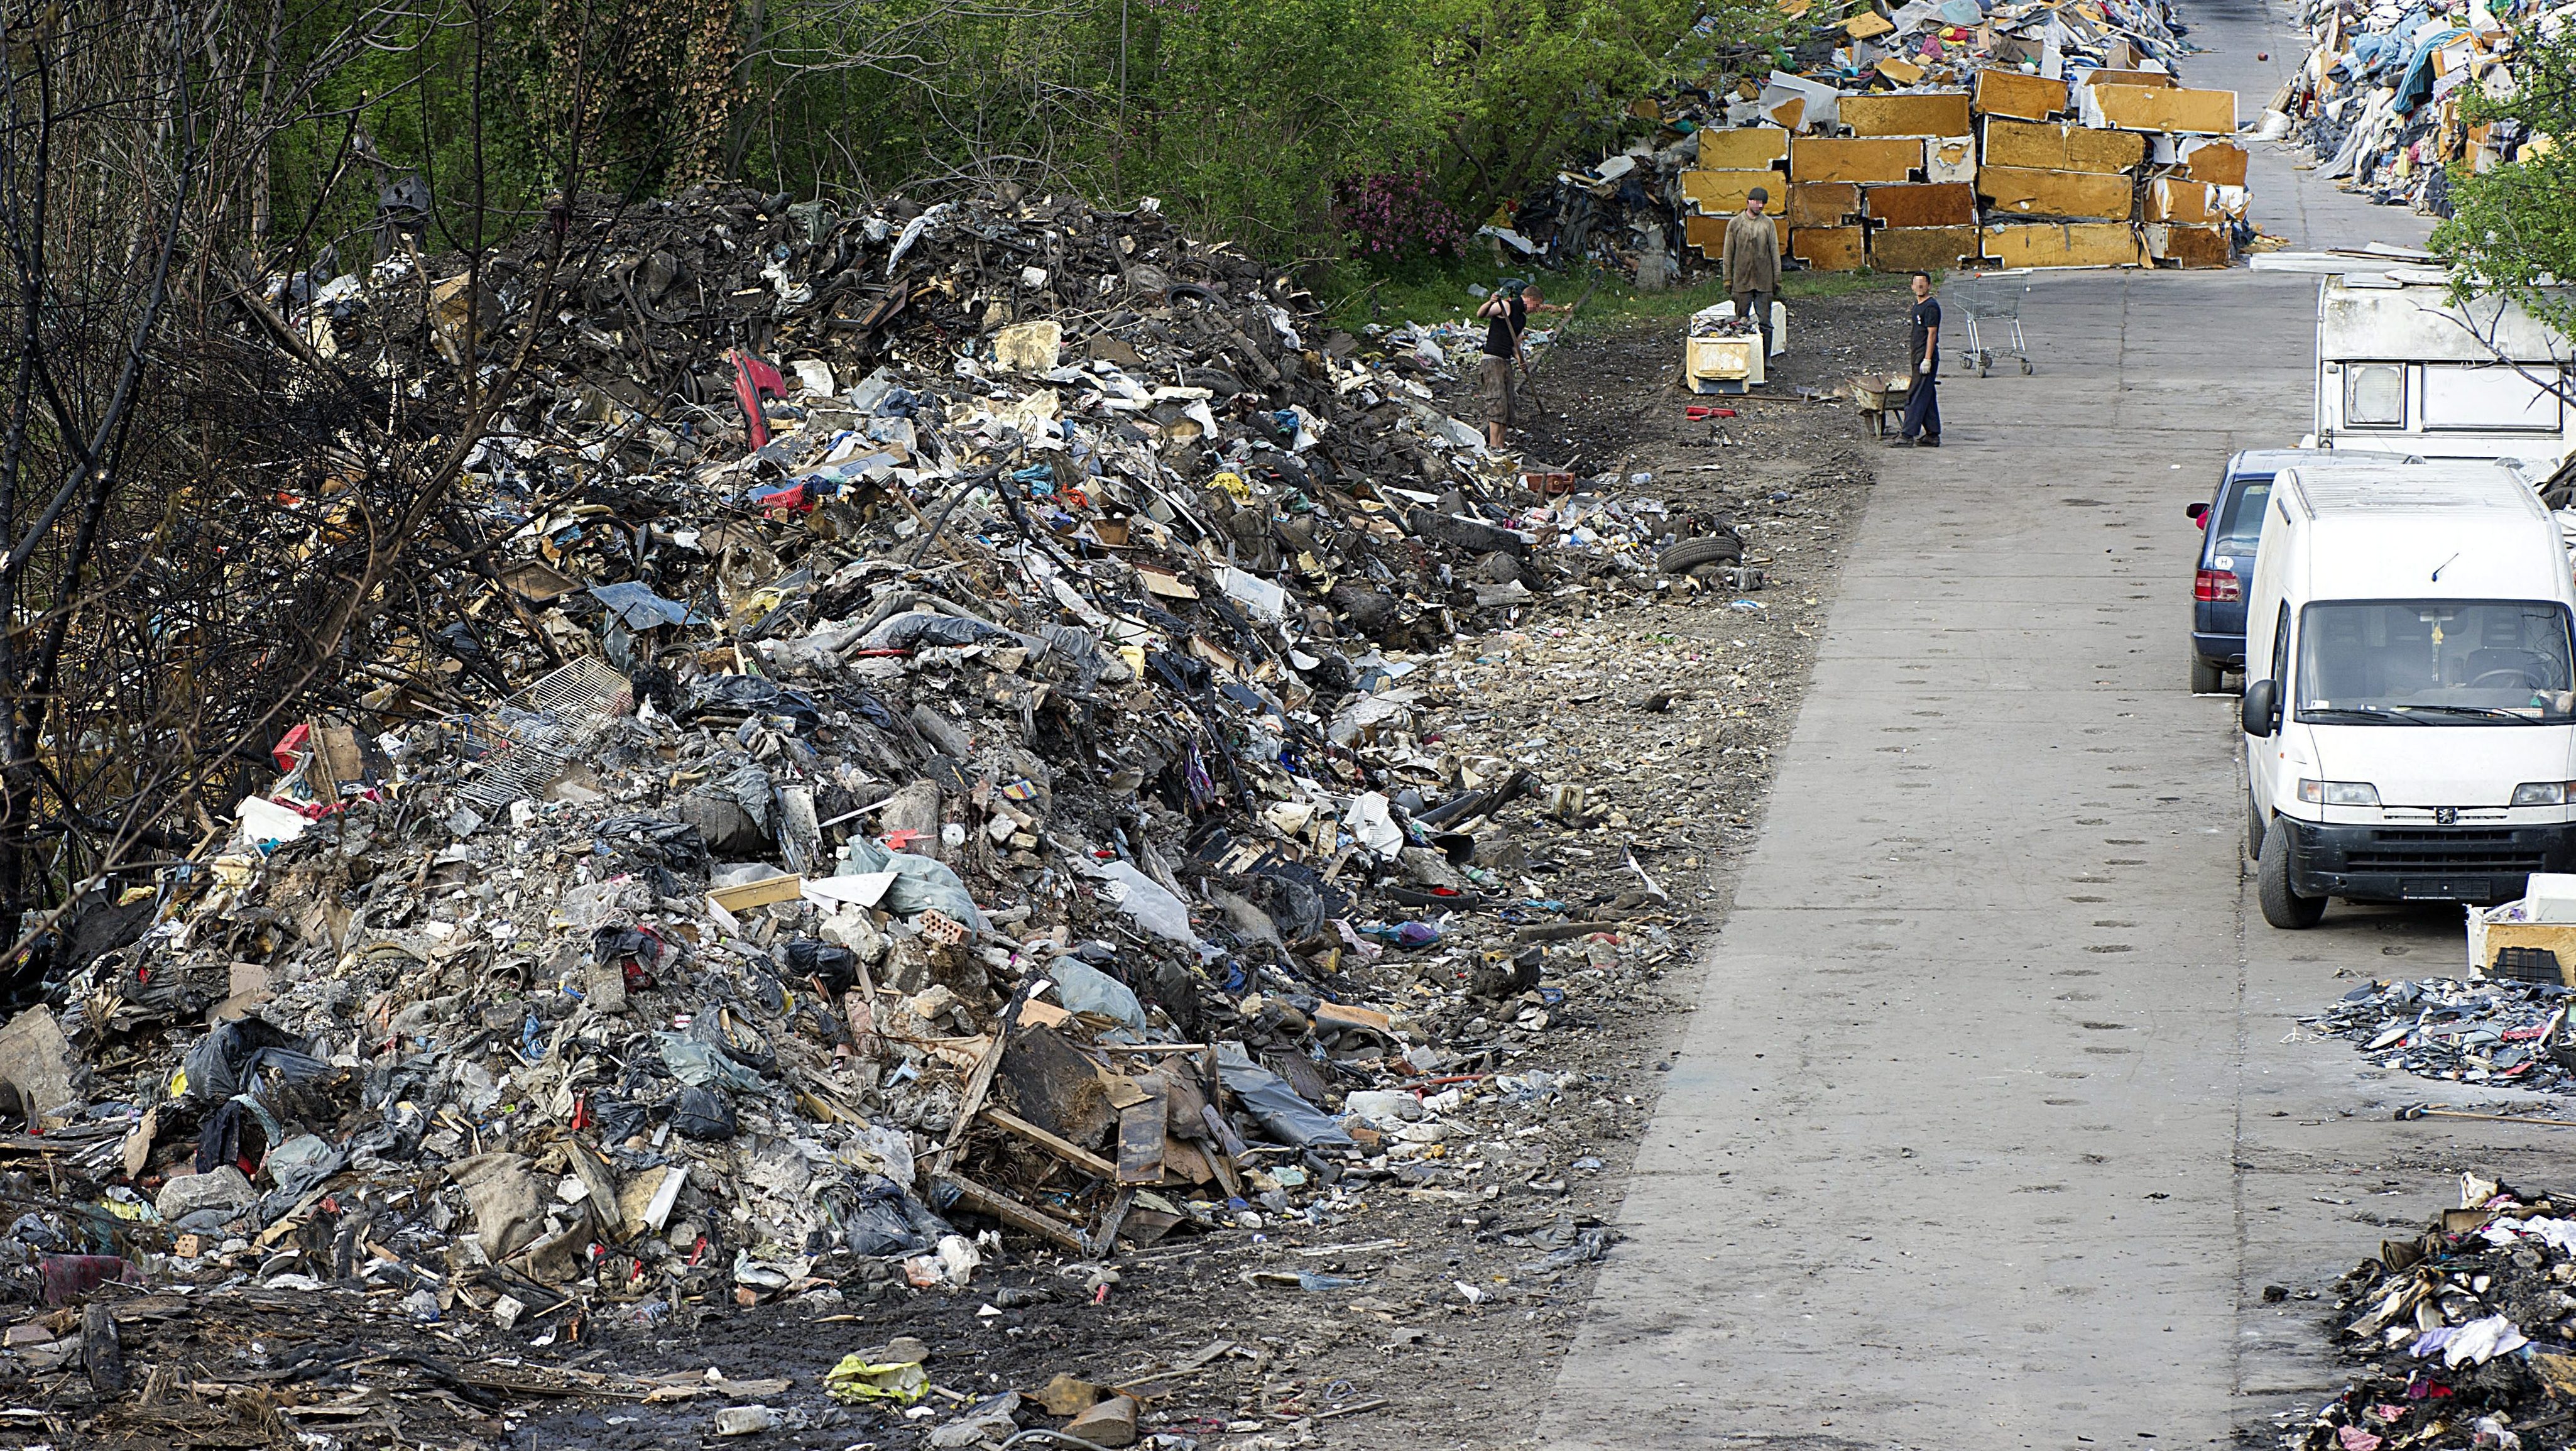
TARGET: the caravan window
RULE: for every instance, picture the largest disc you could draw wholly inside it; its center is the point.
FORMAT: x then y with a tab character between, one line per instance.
2374	395
2491	396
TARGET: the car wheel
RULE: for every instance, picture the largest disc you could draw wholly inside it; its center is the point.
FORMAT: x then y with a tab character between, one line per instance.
2206	679
2281	906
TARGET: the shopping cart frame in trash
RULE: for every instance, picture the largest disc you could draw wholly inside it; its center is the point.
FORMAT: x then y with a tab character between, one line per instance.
1991	298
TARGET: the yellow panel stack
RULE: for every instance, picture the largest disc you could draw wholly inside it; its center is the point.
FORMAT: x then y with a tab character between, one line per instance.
2021	97
1922	113
1862	159
2063	244
2018	191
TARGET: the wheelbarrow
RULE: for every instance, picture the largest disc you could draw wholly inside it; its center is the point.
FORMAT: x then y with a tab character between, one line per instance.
1882	401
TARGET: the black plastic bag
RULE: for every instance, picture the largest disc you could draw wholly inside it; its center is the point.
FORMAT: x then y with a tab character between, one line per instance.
703	1114
656	840
752	695
836	966
231	1058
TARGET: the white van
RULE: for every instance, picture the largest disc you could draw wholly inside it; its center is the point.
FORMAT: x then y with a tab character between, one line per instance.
2410	707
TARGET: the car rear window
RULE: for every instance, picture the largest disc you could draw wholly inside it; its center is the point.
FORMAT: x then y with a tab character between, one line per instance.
2240	520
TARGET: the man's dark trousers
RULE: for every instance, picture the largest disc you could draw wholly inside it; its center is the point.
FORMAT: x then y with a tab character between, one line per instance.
1922	408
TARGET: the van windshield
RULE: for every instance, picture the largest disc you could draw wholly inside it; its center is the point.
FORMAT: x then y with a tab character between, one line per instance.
2435	662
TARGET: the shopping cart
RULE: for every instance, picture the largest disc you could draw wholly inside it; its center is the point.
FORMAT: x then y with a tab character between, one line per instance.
1995	298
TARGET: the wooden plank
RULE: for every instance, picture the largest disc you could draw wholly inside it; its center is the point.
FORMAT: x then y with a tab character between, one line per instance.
1010	1211
1823	204
1830	249
1105	1234
2161	108
2063	244
1921	204
1350	1015
101	1353
2018	191
1141	1128
980	1082
2157	79
1855	158
1743	148
1919	113
1062	1148
761	893
2011	93
1905	249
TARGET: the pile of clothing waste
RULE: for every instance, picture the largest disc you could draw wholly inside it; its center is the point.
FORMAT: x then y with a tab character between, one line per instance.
2378	100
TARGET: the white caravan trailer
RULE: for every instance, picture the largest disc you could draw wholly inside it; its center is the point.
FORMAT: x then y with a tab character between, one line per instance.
2402	370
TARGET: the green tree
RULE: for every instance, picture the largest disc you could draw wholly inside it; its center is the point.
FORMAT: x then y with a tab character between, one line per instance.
2512	231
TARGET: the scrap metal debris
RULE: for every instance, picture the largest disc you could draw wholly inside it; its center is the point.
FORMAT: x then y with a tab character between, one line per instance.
2504	1033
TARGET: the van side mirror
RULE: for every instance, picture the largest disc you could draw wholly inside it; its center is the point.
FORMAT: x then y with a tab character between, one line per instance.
2198	514
2261	711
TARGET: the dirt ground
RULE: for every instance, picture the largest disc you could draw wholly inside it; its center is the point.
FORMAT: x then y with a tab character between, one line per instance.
1424	1306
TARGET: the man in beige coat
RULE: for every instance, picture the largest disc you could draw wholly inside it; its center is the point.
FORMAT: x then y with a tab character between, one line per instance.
1753	262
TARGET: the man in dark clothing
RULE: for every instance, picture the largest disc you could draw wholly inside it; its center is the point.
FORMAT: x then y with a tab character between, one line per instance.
1506	315
1922	425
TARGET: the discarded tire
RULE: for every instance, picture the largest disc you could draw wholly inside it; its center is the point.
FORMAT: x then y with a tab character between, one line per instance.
1682	558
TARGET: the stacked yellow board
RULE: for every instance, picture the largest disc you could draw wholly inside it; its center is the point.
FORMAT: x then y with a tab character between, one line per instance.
2126	169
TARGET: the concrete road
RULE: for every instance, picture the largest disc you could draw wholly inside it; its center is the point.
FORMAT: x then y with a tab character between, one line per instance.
1991	1122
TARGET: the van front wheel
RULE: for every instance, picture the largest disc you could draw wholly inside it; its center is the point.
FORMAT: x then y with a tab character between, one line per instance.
2281	906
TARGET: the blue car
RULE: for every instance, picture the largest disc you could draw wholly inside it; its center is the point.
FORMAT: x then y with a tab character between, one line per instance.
2231	523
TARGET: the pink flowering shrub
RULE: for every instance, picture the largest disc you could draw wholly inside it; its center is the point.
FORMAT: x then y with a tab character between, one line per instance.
1394	215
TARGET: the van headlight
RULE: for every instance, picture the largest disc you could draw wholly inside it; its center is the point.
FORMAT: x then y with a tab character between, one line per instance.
2352	793
2544	793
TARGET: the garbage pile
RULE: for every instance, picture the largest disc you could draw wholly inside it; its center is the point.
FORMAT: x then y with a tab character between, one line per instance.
969	786
2378	100
1931	135
2503	1033
2464	1336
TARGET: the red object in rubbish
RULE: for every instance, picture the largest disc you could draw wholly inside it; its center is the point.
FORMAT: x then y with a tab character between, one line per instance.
290	747
1701	413
1100	1296
581	1111
752	380
68	1277
900	840
784	500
